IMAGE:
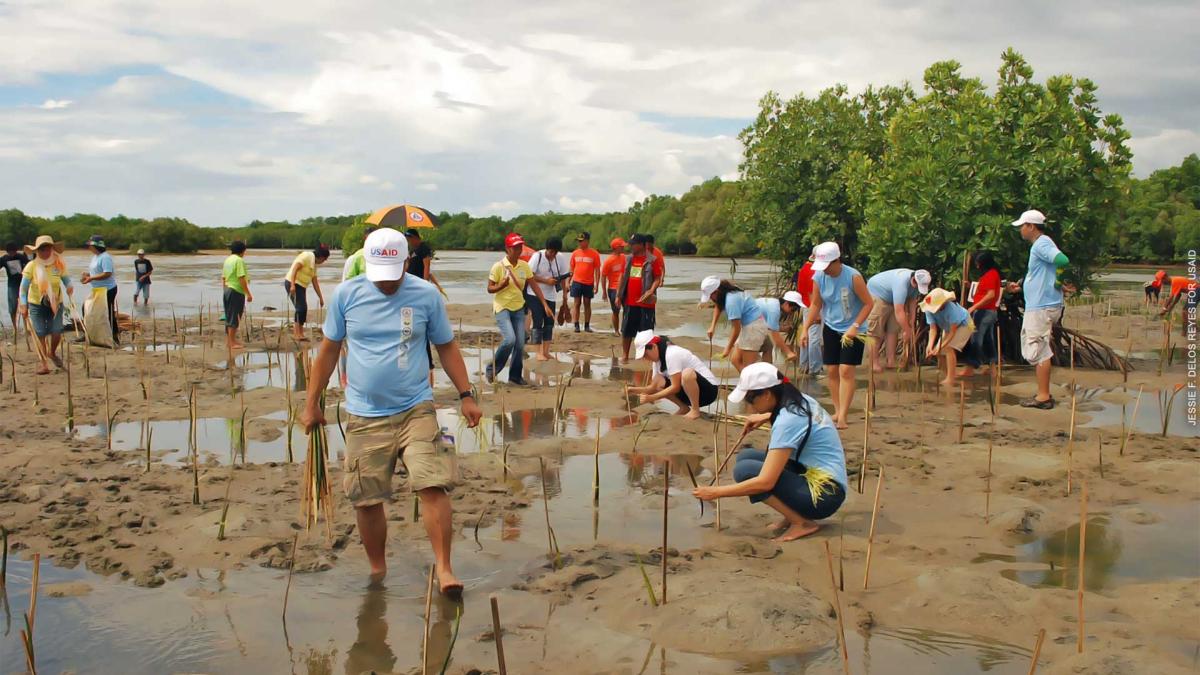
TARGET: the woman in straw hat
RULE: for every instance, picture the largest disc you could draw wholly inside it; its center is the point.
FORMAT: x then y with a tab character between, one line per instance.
953	322
802	475
41	298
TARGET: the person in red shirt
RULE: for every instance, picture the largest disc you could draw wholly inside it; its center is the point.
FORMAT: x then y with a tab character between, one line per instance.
657	252
984	305
640	280
810	359
614	267
585	278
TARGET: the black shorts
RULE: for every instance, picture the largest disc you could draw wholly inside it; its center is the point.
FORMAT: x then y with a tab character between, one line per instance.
579	290
834	354
636	320
708	392
234	304
612	301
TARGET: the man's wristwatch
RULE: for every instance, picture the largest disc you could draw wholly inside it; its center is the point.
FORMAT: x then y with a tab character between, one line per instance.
465	394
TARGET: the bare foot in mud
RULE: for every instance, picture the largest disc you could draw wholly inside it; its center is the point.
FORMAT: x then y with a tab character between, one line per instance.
777	525
694	414
797	531
449	585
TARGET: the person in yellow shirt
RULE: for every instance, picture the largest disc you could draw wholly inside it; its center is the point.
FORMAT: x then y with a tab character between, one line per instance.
300	275
41	298
506	283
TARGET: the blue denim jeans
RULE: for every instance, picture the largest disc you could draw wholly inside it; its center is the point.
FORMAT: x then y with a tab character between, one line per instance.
810	359
512	330
984	337
791	487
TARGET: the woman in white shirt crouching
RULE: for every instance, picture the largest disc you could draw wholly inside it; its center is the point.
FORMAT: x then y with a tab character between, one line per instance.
677	374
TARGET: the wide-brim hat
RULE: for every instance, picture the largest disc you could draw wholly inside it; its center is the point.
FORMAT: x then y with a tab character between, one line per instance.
935	299
42	241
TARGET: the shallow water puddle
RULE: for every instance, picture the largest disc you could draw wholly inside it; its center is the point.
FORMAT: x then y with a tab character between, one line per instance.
230	622
1165	545
1156	406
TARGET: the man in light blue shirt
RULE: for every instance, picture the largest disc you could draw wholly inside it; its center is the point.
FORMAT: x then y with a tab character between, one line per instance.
1043	302
102	274
895	292
385	318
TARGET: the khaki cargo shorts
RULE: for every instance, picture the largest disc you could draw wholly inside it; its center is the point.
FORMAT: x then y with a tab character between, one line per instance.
1036	328
373	444
753	338
961	337
882	320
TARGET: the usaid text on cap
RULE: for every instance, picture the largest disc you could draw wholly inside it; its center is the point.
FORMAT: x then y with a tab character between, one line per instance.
385	252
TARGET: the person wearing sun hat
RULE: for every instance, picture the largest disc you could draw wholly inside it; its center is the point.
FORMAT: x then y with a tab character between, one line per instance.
774	310
676	374
385	317
40	297
953	323
840	299
507	281
1043	302
614	266
102	274
895	292
802	474
748	330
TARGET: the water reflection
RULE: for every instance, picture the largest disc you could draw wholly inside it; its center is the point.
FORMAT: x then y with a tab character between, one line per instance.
371	651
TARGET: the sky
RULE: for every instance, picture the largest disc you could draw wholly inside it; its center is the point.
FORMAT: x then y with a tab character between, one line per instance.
223	112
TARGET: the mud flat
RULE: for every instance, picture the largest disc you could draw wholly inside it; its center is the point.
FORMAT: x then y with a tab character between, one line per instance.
966	566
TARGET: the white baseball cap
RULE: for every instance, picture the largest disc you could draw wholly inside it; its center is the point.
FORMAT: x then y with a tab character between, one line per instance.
707	286
825	253
923	280
755	376
141	251
794	298
1032	216
640	341
385	253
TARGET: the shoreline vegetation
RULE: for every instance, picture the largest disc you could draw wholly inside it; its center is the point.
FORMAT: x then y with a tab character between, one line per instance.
895	175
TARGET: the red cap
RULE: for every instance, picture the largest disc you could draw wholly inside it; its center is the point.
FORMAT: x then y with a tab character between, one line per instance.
617	243
513	239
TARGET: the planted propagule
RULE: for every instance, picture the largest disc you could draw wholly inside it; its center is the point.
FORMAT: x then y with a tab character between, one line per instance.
837	605
496	632
550	539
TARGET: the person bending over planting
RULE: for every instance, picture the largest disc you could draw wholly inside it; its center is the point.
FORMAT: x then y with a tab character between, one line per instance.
385	317
802	475
774	310
748	334
947	317
676	374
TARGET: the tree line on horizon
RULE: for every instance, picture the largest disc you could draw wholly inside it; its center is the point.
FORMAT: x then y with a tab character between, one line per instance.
897	178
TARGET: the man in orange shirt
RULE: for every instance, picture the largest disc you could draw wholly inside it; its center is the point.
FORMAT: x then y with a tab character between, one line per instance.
585	278
614	267
1187	290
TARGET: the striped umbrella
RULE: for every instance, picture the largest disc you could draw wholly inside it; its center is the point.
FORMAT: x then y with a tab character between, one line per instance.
402	216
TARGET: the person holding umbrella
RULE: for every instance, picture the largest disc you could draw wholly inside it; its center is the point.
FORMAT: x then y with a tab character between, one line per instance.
41	297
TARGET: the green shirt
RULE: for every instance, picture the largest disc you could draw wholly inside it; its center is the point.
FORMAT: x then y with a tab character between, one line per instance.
356	265
233	271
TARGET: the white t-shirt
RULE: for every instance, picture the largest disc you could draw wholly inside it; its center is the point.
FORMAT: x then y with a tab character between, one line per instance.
679	359
545	266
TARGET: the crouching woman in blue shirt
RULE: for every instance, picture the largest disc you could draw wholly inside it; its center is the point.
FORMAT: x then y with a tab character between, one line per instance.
802	475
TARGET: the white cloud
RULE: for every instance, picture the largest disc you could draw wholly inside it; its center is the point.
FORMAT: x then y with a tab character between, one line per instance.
298	109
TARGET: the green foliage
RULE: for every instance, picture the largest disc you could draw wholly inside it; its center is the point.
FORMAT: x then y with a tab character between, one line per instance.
1161	217
912	181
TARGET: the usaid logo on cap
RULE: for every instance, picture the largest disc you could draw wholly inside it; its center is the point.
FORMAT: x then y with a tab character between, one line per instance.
376	252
